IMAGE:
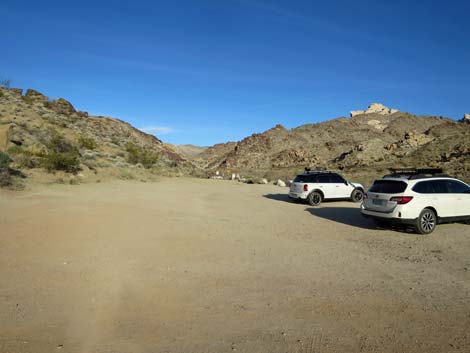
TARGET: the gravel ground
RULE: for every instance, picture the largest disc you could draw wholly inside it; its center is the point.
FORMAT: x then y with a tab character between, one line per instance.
188	265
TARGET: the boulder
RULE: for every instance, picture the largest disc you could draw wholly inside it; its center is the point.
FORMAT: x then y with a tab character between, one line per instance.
263	181
281	183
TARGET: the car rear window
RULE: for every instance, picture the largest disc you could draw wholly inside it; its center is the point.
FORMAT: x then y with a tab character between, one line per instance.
388	187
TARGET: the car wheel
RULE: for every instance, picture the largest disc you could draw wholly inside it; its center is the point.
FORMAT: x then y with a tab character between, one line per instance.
357	195
427	221
314	198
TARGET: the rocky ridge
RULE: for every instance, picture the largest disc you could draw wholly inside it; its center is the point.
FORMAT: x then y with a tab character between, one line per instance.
362	146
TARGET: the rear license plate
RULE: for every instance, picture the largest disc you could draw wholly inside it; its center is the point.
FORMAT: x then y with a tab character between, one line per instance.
378	202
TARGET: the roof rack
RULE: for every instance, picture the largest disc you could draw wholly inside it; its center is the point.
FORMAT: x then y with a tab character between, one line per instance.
415	173
310	171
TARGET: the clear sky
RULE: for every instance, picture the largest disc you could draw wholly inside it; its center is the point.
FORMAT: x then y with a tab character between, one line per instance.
208	71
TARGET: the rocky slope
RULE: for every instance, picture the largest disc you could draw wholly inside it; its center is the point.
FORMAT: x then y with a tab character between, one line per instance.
189	151
362	146
38	134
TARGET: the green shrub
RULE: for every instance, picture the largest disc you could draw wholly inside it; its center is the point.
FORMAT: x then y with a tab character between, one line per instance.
5	177
5	174
65	161
5	160
136	154
62	155
115	140
1	94
26	159
87	142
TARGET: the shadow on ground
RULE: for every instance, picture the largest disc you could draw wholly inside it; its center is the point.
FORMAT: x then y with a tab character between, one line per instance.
345	215
353	217
278	197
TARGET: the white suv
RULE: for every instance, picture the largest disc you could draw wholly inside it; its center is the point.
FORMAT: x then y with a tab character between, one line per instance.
316	186
421	198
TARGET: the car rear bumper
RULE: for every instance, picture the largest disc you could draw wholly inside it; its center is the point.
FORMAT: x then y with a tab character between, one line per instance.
297	195
393	218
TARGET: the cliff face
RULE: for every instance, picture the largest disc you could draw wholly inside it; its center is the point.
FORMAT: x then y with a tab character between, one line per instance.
34	129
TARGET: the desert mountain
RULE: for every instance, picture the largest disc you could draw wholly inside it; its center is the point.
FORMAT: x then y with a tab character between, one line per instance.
362	146
40	137
189	151
38	133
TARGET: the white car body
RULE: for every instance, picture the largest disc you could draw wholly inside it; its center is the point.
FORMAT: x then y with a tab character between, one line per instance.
330	185
402	199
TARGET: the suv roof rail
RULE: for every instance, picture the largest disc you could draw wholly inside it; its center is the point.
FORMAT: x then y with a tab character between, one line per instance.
416	173
319	170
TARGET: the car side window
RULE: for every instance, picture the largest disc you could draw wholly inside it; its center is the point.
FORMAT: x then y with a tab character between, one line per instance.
424	187
456	187
313	179
440	187
323	179
335	178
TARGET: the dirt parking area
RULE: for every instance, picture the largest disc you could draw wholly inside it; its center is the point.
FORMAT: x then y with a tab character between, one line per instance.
187	265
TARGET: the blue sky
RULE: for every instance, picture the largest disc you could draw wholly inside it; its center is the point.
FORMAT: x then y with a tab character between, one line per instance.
209	71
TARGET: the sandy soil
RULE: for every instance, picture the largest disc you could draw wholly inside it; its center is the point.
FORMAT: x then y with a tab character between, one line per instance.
187	265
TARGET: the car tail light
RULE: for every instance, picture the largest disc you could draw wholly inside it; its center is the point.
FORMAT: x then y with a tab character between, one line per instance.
305	187
402	200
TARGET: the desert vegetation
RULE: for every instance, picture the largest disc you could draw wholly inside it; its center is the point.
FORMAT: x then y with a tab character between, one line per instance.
136	154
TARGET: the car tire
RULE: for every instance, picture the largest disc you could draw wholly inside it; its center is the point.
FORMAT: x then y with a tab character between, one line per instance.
426	222
357	195
314	198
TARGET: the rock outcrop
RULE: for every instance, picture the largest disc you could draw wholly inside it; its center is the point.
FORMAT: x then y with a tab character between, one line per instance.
465	119
376	108
36	96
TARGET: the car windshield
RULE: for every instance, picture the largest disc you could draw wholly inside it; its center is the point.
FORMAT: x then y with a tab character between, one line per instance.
388	187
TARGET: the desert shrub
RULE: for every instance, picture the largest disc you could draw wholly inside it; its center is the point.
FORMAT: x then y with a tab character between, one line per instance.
136	154
115	140
26	159
5	178
68	162
126	175
87	142
1	94
5	174
5	160
62	155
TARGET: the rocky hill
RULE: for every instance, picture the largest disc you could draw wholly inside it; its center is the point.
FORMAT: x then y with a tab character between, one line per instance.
362	146
51	140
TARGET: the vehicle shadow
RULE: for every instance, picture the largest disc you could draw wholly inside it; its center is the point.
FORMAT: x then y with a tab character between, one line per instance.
278	197
345	215
353	217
